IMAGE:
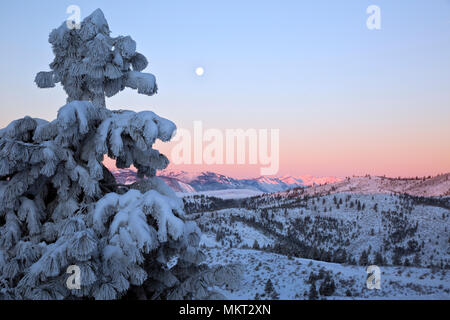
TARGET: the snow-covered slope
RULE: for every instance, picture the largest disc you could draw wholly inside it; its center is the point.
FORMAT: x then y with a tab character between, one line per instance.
124	176
224	194
294	236
309	180
428	187
291	278
177	185
273	184
398	227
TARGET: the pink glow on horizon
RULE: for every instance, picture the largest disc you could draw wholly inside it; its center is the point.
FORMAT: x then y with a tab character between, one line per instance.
244	172
340	150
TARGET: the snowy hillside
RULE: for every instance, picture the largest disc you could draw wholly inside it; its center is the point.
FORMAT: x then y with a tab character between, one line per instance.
334	228
223	194
427	187
407	237
291	278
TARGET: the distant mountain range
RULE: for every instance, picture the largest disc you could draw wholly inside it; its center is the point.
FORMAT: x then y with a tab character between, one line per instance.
187	182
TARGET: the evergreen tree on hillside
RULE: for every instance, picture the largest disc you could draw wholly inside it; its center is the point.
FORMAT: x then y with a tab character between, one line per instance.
327	287
268	287
313	295
417	261
364	258
378	260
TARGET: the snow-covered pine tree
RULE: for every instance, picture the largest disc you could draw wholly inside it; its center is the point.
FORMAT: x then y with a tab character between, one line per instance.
59	206
91	65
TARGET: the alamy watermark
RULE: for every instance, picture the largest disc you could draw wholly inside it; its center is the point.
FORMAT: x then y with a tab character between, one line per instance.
374	279
374	20
229	146
74	280
74	20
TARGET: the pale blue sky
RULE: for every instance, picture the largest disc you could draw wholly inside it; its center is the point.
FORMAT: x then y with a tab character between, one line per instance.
310	68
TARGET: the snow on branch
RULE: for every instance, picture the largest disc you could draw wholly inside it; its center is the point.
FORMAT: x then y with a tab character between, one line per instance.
128	137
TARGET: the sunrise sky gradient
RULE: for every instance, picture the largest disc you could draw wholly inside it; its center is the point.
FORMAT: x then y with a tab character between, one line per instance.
347	100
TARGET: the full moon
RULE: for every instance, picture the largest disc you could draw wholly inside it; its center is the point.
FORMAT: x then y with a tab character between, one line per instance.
199	71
